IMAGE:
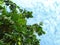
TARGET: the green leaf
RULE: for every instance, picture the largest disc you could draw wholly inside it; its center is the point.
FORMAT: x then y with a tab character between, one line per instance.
21	21
1	1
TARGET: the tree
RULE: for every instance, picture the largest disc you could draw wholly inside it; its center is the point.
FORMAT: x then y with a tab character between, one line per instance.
13	27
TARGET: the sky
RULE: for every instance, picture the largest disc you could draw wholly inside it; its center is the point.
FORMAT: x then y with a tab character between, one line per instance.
47	11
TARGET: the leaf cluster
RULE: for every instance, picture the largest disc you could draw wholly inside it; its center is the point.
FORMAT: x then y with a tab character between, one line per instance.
13	27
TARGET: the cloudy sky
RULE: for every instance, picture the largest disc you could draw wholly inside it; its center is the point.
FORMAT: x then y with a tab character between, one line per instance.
47	11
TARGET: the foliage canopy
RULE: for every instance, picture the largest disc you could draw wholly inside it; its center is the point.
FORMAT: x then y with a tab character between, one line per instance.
13	27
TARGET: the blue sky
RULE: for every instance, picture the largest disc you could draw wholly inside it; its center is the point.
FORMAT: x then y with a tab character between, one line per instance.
47	11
